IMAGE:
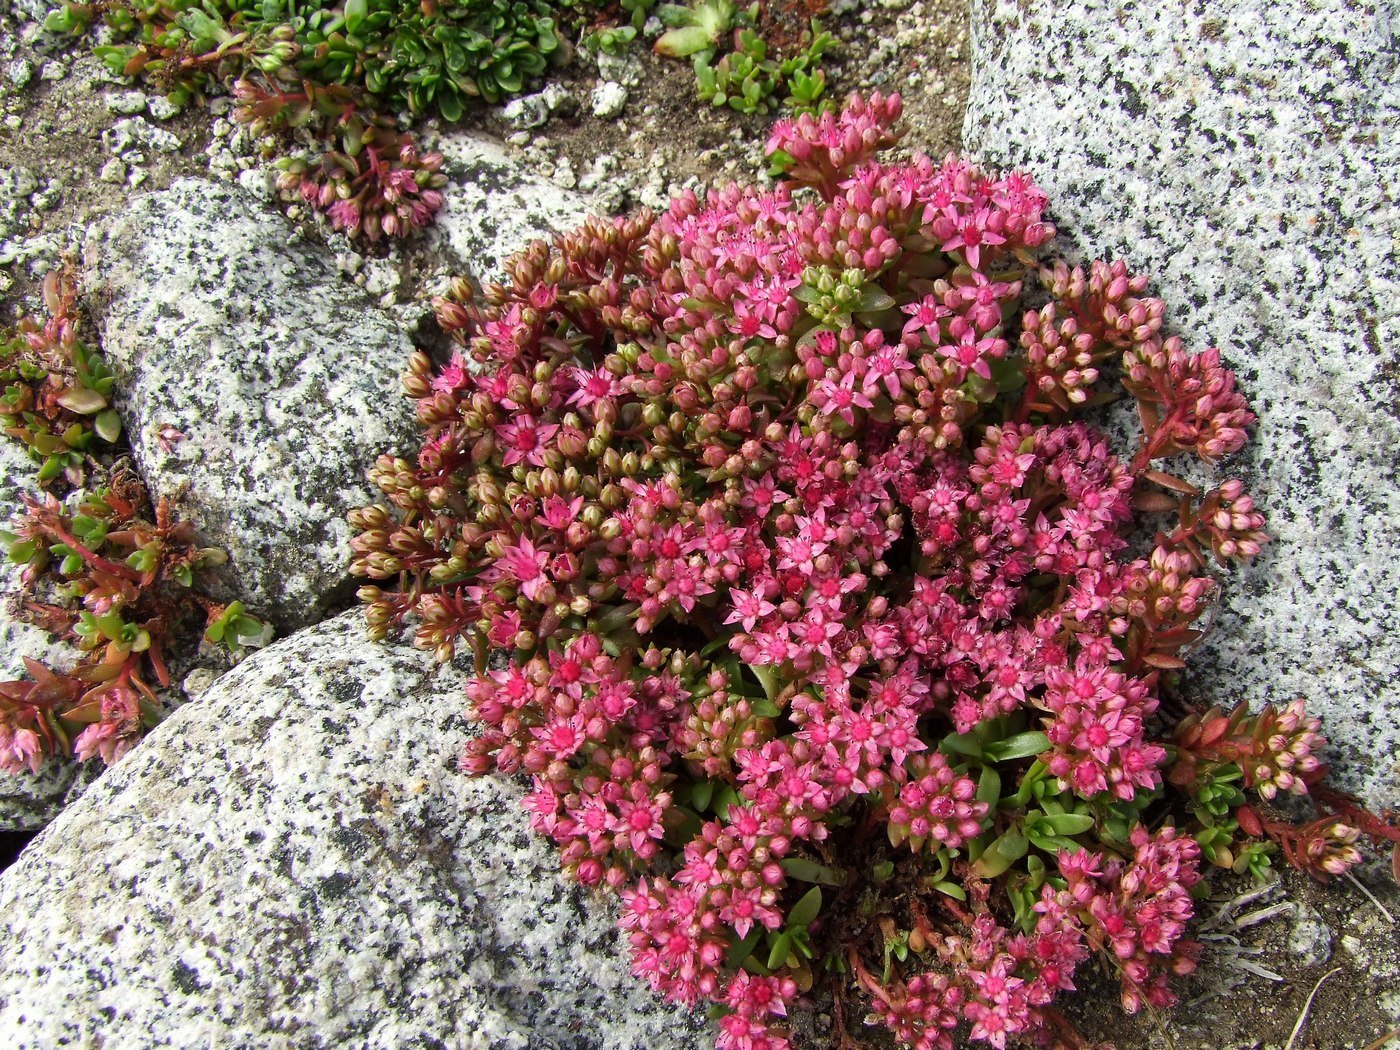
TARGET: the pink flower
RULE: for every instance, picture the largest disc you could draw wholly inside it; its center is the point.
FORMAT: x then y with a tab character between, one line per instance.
883	369
592	386
21	749
925	318
344	215
454	376
527	565
525	440
111	740
640	821
973	354
970	232
749	607
559	513
773	553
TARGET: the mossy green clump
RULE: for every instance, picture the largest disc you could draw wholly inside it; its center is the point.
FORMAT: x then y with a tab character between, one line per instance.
414	55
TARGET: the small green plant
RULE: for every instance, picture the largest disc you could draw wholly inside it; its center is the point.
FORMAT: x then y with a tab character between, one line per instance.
750	81
744	79
747	78
612	41
700	28
341	71
806	91
375	183
420	55
638	11
55	392
98	568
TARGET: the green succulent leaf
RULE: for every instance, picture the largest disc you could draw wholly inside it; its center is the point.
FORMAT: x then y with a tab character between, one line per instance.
807	908
1069	823
108	426
1001	854
682	43
805	870
1022	745
355	12
781	949
82	400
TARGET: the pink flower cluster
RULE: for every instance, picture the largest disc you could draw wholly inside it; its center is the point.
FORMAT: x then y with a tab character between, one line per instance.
1134	910
20	749
936	806
922	1013
388	189
994	981
782	504
1099	730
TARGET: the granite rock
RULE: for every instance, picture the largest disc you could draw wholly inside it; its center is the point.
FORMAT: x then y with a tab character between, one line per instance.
294	861
29	801
493	208
608	100
280	375
1244	156
526	112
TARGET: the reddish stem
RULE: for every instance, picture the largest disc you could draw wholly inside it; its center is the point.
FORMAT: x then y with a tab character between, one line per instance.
866	978
1358	815
61	534
1161	437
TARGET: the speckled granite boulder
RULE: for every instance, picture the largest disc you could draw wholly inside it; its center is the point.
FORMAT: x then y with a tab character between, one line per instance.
281	376
28	801
1244	155
493	209
293	861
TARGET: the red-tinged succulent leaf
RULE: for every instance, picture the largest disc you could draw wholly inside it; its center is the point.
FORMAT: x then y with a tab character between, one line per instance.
1150	501
1213	730
1172	482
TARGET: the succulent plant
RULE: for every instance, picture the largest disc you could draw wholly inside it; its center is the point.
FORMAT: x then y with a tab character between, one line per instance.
341	71
819	633
97	568
745	77
119	587
376	183
420	56
749	81
698	28
55	391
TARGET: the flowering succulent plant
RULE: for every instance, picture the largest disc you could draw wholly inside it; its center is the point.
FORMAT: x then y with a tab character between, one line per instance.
333	71
375	183
119	589
54	390
828	646
96	569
